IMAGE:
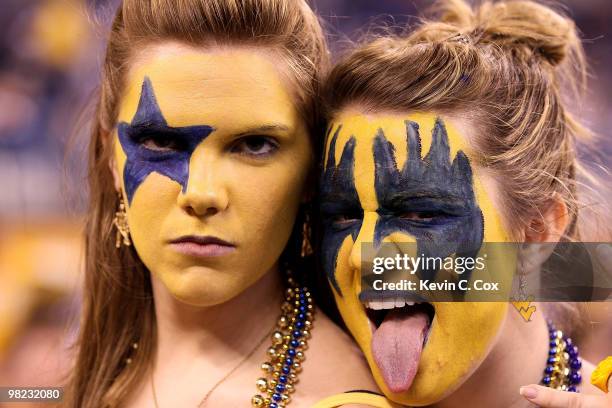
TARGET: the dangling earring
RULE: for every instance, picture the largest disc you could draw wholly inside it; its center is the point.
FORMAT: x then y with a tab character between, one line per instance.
306	232
121	224
523	303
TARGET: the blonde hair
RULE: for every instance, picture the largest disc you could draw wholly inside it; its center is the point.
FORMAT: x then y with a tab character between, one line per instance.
510	67
118	307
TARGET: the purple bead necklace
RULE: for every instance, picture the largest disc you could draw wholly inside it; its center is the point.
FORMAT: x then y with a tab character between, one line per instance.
562	370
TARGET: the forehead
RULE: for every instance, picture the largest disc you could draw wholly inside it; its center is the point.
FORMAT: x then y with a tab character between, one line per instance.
233	87
364	128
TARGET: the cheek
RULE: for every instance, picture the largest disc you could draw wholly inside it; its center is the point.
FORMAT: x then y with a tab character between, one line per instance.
488	196
349	282
266	199
153	202
346	278
453	352
459	321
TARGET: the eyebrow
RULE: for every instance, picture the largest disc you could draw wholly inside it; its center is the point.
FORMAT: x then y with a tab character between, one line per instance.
425	199
422	193
277	127
339	199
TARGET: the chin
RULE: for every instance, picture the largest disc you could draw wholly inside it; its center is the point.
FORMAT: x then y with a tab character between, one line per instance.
425	392
202	287
198	299
421	353
203	298
435	380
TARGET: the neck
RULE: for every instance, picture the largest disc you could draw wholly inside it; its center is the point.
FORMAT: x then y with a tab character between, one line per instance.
223	332
518	358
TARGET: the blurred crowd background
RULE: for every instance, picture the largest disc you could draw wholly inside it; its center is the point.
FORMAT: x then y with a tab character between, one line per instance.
50	52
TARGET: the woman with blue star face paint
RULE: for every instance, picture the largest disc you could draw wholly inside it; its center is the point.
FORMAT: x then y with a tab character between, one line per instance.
200	160
454	136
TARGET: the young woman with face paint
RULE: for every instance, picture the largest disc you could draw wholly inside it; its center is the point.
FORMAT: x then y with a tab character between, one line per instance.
199	162
456	135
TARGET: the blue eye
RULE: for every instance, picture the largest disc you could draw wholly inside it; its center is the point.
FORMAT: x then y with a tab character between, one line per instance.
255	146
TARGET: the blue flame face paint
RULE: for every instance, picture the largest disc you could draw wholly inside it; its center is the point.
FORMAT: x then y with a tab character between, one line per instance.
338	196
446	219
439	191
407	178
142	161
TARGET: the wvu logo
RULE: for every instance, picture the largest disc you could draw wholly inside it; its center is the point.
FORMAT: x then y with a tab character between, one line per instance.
525	308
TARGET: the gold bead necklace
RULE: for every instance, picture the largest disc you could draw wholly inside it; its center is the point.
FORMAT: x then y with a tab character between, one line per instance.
285	356
289	342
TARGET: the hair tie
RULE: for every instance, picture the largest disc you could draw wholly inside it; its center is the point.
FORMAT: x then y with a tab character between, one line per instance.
460	38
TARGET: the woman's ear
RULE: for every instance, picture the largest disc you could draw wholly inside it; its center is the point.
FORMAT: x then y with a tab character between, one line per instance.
550	224
548	227
113	168
112	163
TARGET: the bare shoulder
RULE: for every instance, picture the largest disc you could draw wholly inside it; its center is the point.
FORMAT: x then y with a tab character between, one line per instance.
334	363
586	387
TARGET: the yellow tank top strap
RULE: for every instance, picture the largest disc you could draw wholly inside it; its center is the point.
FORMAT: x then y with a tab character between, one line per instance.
602	373
363	398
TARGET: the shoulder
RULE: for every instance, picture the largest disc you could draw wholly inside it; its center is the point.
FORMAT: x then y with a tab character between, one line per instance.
334	363
586	386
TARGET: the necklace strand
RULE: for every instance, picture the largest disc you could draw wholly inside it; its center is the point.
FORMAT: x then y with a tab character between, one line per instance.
289	342
218	383
285	356
562	370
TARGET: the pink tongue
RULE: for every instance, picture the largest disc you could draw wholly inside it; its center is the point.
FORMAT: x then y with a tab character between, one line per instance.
397	346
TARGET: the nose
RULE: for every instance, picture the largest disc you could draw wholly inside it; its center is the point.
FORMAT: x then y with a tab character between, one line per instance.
366	235
206	193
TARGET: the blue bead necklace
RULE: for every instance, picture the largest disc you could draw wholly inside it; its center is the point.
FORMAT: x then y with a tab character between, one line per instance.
289	342
562	370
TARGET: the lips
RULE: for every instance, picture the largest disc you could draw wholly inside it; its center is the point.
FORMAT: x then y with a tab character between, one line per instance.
400	330
202	246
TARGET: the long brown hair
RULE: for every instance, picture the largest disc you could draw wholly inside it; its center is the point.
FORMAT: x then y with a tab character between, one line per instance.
516	70
117	308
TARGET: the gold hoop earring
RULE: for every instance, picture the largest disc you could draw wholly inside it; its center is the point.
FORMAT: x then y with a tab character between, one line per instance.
306	233
121	224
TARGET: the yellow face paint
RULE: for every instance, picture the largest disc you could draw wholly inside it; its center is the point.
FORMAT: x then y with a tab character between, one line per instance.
359	163
212	156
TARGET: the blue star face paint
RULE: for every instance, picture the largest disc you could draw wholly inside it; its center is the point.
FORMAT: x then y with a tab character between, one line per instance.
148	123
209	144
407	179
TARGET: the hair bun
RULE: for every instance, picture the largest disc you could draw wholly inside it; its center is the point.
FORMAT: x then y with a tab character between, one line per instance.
525	27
